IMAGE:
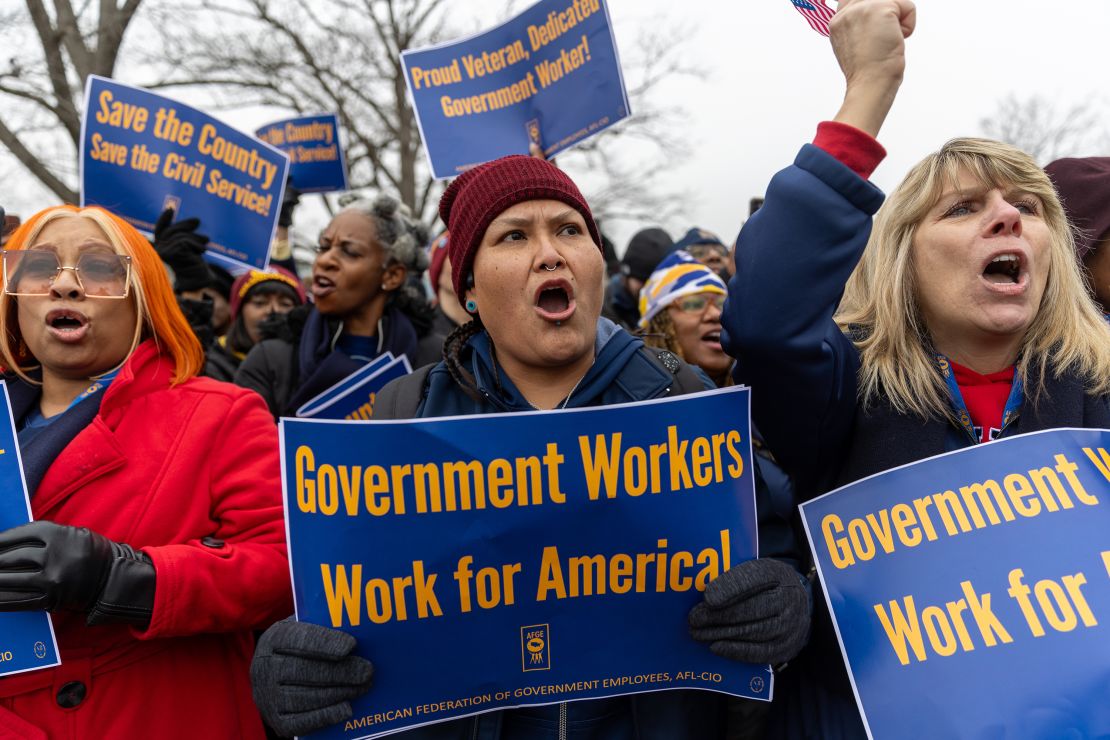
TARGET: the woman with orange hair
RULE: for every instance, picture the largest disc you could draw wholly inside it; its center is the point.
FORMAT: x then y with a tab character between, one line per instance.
158	543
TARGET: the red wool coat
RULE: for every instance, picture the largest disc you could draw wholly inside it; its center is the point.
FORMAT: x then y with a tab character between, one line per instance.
190	475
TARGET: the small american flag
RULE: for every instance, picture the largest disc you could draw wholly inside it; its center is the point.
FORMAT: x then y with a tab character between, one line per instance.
817	13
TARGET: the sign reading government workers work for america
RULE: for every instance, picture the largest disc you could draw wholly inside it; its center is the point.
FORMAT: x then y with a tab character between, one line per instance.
142	153
495	561
550	76
26	638
971	591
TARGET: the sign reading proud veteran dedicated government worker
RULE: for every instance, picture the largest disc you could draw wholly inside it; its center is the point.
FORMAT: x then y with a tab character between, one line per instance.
549	76
496	561
26	638
971	591
142	153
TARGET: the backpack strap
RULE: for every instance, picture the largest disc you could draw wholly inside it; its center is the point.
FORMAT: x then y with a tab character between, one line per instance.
687	380
401	398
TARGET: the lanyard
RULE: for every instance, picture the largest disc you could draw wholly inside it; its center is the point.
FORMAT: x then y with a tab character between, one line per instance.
102	382
1013	403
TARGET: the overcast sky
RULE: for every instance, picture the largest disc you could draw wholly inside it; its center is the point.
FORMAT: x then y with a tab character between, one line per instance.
773	78
770	79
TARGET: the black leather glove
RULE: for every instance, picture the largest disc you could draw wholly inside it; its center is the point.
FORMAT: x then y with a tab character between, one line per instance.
289	201
51	566
304	677
756	612
182	249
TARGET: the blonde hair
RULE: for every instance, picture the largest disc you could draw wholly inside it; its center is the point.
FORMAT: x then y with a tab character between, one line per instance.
156	306
879	310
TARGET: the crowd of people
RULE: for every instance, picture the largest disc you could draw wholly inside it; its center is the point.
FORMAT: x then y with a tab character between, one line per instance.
144	385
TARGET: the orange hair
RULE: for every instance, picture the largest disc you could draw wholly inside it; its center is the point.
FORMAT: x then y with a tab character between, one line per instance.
160	318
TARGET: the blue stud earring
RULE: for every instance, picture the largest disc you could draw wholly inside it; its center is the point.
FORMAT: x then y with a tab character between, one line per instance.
471	306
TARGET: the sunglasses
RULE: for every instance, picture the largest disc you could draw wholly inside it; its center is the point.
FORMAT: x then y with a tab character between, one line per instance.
32	272
697	303
704	251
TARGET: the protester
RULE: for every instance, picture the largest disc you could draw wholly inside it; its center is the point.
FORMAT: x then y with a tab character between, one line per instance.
181	248
256	296
8	224
529	269
680	311
966	318
363	308
708	249
158	543
218	291
1084	188
449	312
646	249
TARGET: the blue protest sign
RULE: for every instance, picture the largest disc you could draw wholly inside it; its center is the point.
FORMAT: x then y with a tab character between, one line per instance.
316	163
518	553
353	397
142	153
27	640
971	591
551	76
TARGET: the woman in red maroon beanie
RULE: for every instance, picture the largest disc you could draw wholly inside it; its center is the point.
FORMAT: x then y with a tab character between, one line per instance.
256	296
528	268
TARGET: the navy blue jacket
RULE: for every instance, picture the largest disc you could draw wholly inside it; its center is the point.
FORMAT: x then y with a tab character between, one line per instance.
290	370
794	257
622	372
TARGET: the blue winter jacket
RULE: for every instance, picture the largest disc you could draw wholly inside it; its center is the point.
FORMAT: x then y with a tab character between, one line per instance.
622	372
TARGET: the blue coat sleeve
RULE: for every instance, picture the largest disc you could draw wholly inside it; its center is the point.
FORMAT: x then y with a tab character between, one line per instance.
793	258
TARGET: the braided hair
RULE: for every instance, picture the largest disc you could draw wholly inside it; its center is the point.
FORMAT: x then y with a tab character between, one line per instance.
453	346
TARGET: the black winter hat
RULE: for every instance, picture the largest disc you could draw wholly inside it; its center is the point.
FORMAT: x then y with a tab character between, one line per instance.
221	280
646	250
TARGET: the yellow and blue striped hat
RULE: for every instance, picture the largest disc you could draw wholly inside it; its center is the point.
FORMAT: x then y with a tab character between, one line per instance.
677	276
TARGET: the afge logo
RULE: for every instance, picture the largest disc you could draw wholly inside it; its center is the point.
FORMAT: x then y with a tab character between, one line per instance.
535	647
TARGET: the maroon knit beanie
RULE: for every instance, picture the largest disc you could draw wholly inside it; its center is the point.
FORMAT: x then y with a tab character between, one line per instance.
251	279
1084	188
483	193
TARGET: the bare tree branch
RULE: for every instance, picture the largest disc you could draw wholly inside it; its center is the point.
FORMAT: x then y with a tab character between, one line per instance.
43	83
35	165
1043	130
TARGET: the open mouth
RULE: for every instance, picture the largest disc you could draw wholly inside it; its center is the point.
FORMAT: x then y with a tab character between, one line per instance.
322	286
555	300
1005	269
712	338
67	324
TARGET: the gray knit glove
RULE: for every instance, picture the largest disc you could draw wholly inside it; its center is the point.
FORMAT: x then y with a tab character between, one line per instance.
304	677
756	612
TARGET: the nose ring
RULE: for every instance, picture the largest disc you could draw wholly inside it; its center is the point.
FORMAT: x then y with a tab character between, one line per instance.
551	269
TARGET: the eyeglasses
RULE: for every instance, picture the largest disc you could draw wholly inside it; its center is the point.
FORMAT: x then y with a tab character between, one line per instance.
31	272
697	303
705	251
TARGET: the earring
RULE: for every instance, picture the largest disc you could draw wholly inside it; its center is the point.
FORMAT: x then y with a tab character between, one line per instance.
471	306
